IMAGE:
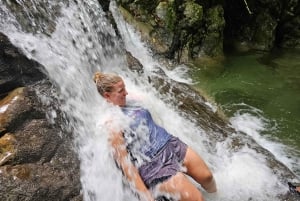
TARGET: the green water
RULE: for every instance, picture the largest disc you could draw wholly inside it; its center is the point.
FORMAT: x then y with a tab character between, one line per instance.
268	82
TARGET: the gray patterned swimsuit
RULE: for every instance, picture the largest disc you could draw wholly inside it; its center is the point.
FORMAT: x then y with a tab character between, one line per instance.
157	154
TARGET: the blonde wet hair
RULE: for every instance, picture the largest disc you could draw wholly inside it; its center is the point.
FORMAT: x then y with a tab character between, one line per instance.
105	81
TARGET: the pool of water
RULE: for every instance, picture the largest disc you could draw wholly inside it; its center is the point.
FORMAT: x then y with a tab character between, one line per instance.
266	87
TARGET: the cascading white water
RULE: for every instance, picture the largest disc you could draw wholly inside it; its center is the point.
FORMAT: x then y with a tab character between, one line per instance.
251	121
71	56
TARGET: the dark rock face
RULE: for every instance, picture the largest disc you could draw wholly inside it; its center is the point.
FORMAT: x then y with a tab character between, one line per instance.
37	160
16	69
263	24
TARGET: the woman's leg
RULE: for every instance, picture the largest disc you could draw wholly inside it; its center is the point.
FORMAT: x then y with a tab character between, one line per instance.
199	171
179	185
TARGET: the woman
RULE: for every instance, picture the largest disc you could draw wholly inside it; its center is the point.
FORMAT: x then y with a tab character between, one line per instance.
156	156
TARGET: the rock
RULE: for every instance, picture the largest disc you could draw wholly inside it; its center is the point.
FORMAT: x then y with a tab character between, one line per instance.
265	30
7	148
134	64
177	30
212	45
16	69
193	13
13	109
37	161
262	25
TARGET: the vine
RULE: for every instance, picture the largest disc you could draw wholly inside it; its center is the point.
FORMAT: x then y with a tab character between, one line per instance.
246	4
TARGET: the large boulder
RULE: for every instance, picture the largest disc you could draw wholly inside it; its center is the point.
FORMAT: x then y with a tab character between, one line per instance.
37	159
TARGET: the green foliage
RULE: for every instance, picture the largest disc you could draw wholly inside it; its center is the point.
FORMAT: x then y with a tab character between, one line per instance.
147	5
171	17
193	13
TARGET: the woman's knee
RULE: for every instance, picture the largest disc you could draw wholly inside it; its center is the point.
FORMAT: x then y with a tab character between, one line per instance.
207	176
180	185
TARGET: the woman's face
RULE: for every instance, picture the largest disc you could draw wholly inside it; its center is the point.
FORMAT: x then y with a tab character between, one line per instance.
118	95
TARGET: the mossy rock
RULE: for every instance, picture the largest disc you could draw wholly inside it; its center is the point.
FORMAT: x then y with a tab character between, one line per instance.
193	13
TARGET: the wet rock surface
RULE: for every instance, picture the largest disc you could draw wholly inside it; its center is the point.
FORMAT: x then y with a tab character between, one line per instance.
37	159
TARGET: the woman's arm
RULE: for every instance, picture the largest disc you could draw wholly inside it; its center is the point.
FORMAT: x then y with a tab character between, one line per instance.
129	170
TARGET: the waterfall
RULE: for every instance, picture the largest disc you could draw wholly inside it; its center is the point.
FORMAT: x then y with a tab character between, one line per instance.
83	42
